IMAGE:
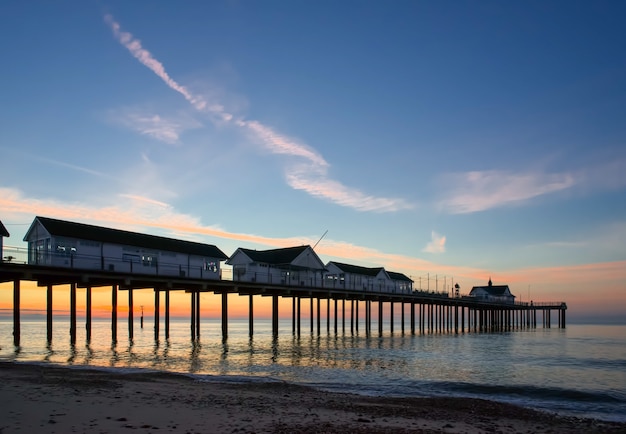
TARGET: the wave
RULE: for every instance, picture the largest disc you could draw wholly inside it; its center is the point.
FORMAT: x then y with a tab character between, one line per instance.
534	392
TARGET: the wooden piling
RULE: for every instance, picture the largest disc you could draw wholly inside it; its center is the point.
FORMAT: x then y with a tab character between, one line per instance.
250	315
157	309
197	314
167	313
193	316
72	313
275	315
131	313
16	313
224	315
114	312
88	313
49	313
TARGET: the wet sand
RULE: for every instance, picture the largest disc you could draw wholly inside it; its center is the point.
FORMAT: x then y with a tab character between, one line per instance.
48	399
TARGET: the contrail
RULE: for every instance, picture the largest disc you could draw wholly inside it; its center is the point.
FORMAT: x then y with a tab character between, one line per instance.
311	178
134	46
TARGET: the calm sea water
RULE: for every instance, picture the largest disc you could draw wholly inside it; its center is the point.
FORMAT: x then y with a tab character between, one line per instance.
578	371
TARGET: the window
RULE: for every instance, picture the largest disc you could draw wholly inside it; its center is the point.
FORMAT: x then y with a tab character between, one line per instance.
149	260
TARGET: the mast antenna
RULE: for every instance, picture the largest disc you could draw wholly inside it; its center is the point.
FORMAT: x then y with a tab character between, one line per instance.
318	241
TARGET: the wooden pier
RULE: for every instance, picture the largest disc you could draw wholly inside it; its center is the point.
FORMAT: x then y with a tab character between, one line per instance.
428	313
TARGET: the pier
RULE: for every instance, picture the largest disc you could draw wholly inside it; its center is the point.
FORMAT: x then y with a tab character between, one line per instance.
420	312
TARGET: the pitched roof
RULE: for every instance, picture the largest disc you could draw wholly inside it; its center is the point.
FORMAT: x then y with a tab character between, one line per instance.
494	290
107	235
3	231
399	276
356	269
282	256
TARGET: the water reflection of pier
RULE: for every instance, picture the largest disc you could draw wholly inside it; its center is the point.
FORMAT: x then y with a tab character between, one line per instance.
427	313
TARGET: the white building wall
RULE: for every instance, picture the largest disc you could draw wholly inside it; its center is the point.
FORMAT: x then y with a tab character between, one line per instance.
93	255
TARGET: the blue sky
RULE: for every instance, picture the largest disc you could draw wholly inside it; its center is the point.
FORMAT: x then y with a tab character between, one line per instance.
460	139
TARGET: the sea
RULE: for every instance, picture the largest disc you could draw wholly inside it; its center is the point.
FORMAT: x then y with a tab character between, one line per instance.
577	371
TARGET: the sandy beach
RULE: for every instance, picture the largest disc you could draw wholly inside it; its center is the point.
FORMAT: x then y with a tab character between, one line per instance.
48	399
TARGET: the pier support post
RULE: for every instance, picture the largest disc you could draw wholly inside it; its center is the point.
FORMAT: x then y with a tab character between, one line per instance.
402	317
343	316
114	313
380	318
311	314
73	313
299	316
319	309
16	313
431	319
335	317
193	316
412	318
250	315
131	313
356	316
352	317
328	315
197	314
275	315
88	313
391	316
49	313
224	315
462	319
293	315
167	314
157	308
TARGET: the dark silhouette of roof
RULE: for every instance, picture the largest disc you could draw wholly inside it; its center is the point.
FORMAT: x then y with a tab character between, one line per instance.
399	276
367	271
3	231
83	231
356	269
495	290
284	256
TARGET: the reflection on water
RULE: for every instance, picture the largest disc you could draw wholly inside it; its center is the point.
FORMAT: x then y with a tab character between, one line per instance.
584	359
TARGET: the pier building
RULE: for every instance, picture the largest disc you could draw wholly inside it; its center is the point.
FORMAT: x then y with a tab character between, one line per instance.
494	293
59	243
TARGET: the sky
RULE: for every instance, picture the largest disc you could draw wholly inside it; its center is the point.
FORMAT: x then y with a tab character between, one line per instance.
447	140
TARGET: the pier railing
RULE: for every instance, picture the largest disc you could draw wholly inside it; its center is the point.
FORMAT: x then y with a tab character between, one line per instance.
76	261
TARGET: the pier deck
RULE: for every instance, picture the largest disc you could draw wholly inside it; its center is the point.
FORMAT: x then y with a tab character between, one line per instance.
428	312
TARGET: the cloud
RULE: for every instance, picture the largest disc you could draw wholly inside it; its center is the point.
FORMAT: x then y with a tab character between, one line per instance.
134	46
437	243
167	130
482	190
310	177
313	180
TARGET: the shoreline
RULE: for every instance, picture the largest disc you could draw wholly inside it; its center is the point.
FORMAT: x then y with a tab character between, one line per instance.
57	399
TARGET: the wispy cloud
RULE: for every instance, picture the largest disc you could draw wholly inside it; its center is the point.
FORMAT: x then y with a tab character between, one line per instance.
482	190
311	177
437	243
145	57
314	181
164	129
